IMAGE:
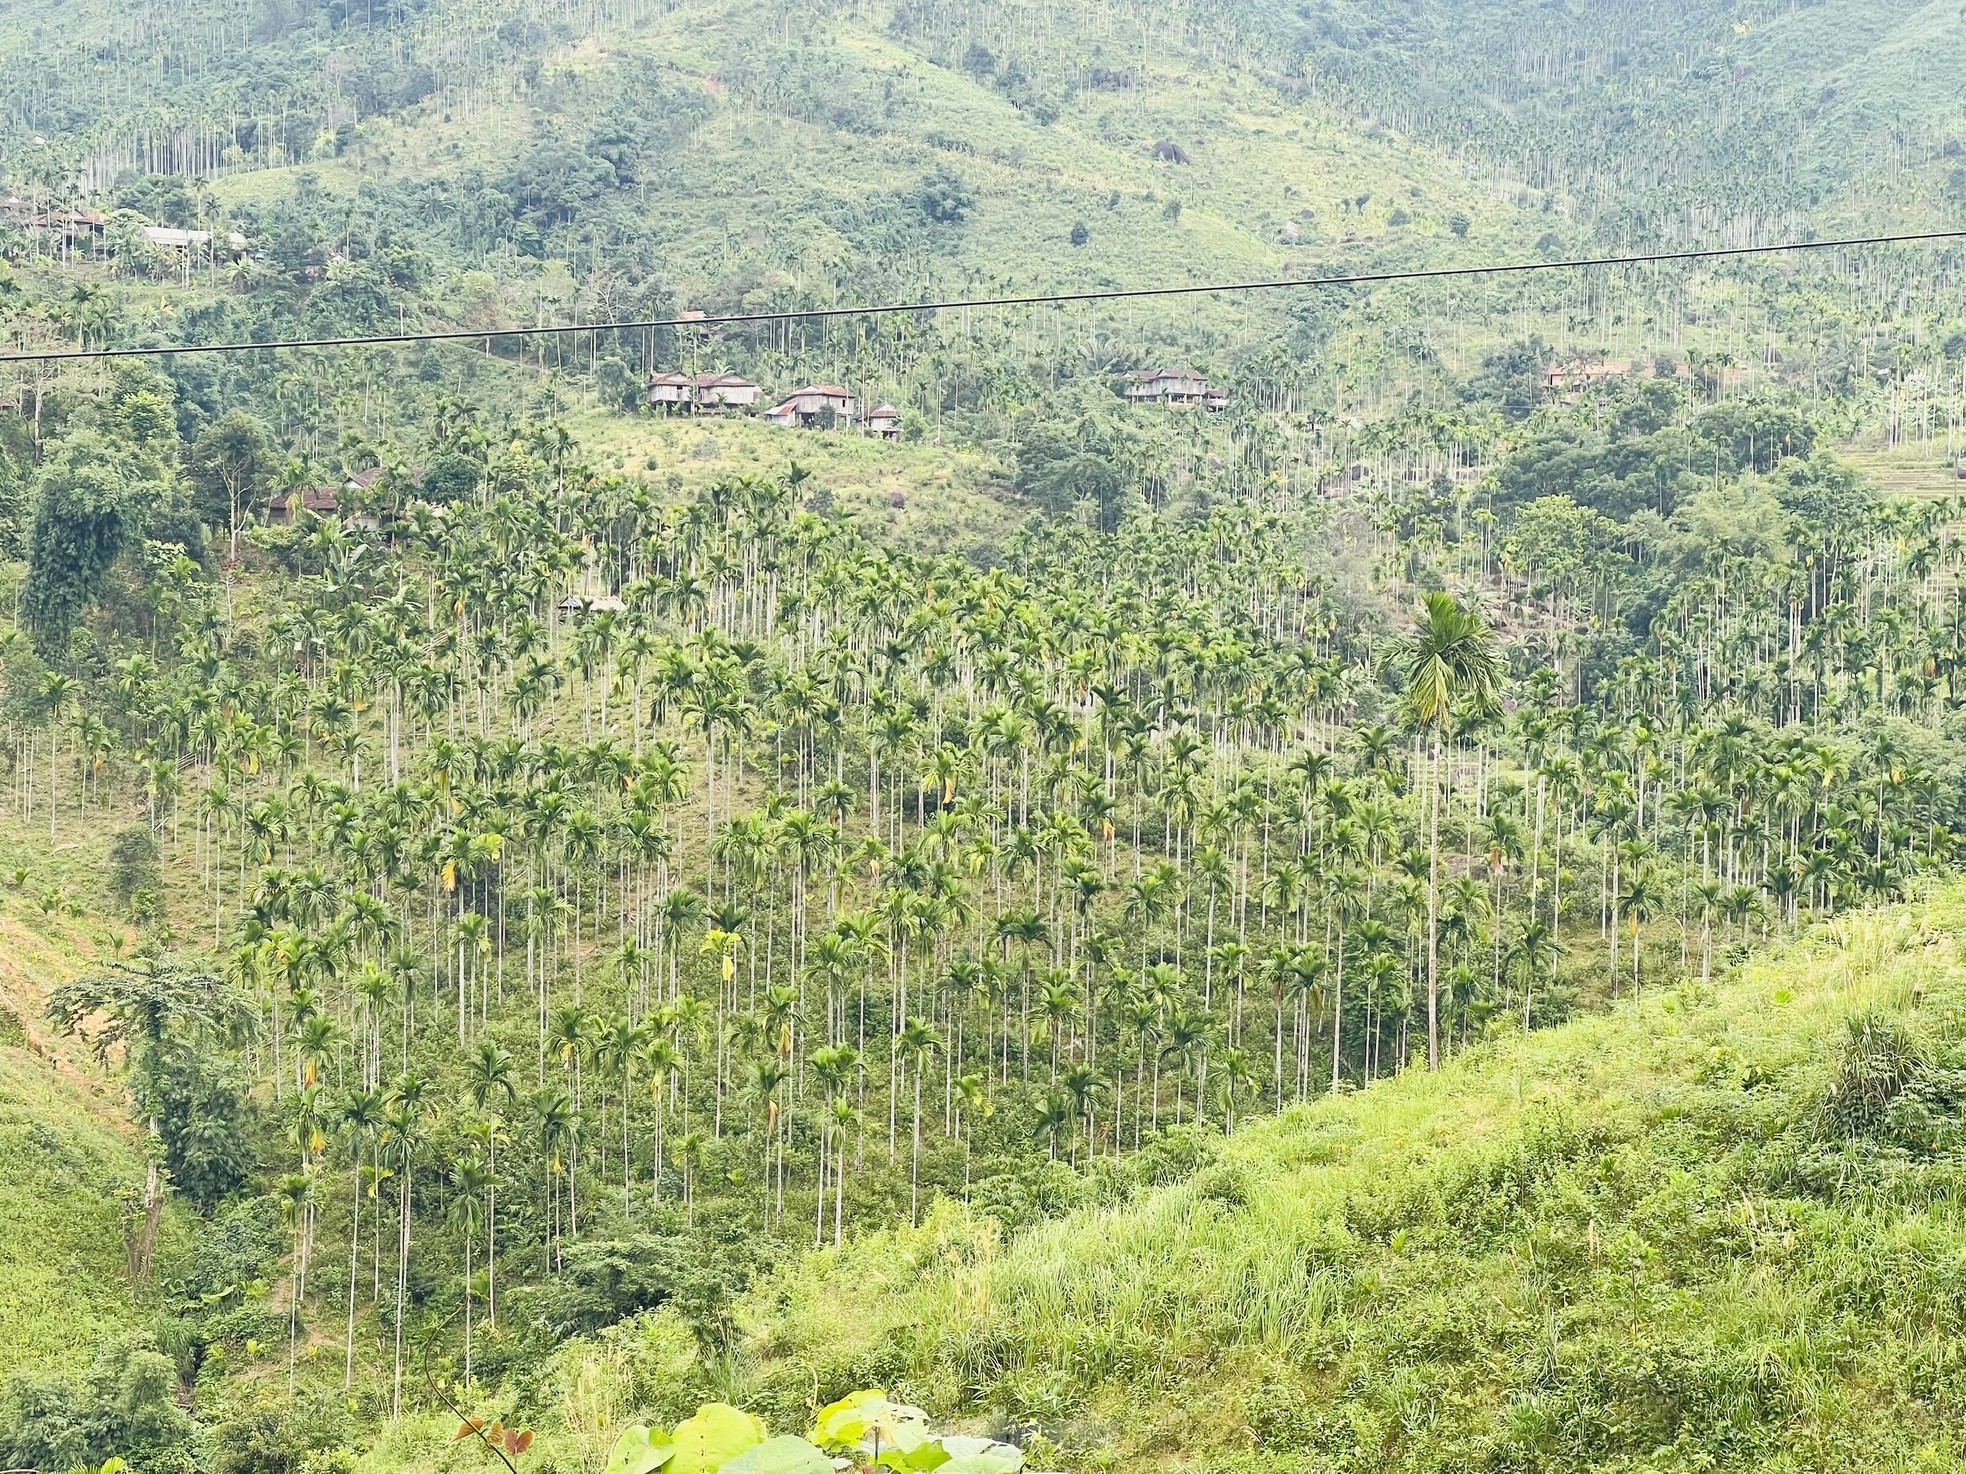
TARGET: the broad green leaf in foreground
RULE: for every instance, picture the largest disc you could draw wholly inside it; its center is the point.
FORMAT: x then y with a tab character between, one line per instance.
636	1451
979	1456
786	1454
844	1423
717	1434
913	1453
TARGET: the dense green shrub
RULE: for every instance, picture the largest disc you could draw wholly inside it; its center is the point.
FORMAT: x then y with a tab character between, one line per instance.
125	1405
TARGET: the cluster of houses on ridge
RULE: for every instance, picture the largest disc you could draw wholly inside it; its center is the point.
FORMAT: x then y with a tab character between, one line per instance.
814	406
817	406
87	225
811	407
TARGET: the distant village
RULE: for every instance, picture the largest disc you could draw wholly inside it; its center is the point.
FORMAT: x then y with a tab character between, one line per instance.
74	227
830	406
814	407
810	407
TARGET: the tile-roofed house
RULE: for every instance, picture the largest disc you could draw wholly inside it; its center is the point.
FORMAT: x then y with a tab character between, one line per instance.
691	393
1569	379
725	391
1174	386
811	406
71	225
671	392
326	501
286	506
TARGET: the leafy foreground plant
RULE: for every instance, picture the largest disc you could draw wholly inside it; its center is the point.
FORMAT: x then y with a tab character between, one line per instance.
863	1430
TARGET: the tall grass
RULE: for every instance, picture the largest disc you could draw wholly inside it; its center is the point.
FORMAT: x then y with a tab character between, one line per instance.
1630	1242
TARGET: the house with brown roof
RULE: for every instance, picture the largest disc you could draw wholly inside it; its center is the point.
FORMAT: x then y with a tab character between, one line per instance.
725	391
671	392
699	393
884	421
71	225
325	501
286	506
1180	386
1569	380
814	406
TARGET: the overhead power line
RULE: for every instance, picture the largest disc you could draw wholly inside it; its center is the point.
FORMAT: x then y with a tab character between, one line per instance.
1039	299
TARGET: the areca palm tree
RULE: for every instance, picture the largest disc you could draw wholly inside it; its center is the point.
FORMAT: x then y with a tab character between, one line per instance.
296	1207
401	1141
833	1068
553	1124
616	1050
488	1074
1534	952
1059	1002
767	1077
1054	1118
1238	1079
361	1121
690	1150
838	1123
1188	1037
1082	1085
1448	661
1641	901
917	1040
973	1097
660	1058
58	693
469	1178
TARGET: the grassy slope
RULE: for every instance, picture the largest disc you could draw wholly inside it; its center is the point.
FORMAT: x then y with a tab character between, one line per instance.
1579	1249
66	1146
952	500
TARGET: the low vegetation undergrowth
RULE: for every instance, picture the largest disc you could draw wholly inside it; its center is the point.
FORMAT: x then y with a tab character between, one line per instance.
1715	1230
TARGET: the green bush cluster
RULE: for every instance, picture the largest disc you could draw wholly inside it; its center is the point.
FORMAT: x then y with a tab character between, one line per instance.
125	1405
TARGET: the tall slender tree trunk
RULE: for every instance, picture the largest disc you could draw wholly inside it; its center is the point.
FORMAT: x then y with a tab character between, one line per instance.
354	1259
1433	908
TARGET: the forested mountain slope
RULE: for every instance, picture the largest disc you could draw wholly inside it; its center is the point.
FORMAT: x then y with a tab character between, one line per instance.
1316	932
448	164
1684	120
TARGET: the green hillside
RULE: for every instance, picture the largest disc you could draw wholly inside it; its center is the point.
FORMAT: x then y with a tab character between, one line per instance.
457	165
71	1187
1406	919
1714	1230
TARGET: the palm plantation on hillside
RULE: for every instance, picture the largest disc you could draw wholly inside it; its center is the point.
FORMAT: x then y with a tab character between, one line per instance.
819	873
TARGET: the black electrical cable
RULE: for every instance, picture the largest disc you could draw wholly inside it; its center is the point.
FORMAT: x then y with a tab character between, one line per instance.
1373	278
